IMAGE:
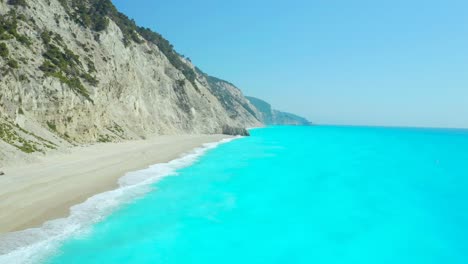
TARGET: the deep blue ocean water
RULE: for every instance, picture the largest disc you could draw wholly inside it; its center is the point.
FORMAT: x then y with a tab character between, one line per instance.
318	194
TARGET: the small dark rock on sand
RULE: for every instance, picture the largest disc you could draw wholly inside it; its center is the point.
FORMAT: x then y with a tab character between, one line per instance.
2	173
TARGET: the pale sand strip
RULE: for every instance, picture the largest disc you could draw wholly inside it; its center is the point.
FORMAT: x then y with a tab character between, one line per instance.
33	194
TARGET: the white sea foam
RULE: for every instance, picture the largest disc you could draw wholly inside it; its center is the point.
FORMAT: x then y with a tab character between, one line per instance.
36	244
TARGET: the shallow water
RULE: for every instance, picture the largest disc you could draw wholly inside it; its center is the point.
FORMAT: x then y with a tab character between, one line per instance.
298	195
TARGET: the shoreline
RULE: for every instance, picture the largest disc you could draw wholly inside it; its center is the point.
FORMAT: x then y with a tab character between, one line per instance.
36	193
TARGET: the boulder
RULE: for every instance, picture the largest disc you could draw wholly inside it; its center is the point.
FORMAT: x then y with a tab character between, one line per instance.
235	131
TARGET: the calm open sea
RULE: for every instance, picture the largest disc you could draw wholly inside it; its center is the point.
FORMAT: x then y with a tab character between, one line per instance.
318	194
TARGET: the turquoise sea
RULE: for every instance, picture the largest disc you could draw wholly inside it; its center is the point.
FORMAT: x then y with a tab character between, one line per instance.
320	194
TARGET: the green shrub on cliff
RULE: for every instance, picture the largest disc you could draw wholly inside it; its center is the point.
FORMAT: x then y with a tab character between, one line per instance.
13	64
48	67
93	15
9	28
65	65
4	52
46	37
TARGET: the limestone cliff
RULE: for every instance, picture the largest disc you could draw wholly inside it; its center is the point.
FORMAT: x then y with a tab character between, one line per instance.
270	116
77	71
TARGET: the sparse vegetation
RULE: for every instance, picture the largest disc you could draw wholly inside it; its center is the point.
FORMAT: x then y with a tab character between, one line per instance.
168	49
73	82
4	52
48	68
13	64
95	16
104	138
9	28
91	66
10	136
117	130
65	65
52	126
66	61
27	147
23	78
45	142
46	37
90	79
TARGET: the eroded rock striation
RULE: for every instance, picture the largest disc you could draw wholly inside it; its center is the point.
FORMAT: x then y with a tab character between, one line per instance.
74	72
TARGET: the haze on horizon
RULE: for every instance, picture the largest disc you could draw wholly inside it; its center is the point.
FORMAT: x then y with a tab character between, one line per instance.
393	63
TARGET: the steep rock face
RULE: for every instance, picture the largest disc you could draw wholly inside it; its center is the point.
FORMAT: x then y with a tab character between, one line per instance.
231	98
270	116
64	82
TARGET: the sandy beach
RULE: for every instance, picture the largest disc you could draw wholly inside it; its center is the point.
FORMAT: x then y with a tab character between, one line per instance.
33	194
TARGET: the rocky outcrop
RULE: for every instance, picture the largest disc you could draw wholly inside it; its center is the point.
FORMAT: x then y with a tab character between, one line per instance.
270	116
74	72
235	131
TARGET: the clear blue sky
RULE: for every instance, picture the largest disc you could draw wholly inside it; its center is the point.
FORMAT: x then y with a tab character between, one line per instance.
359	62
